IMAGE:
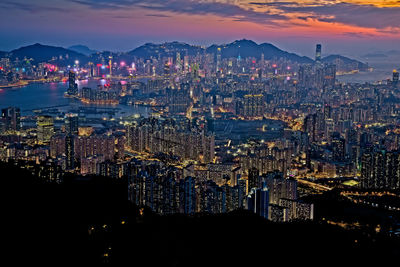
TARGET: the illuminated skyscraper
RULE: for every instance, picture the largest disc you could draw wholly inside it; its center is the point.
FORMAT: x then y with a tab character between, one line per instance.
218	59
395	77
45	129
11	119
71	123
110	64
258	201
339	149
318	51
178	62
72	85
70	152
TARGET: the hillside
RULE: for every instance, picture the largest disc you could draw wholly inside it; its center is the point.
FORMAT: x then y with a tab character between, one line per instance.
82	49
344	63
89	220
45	53
248	48
150	50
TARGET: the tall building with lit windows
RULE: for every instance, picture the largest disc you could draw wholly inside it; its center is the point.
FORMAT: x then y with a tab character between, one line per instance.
11	119
253	106
395	78
258	201
72	85
71	123
318	51
70	152
45	129
379	170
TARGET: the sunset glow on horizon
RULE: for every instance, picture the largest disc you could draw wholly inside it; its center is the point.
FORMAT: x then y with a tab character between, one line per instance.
125	24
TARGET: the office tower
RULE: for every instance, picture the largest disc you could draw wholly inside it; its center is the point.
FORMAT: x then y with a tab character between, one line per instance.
72	85
258	201
186	64
110	64
71	123
218	65
11	119
70	152
338	149
178	62
92	69
318	51
309	126
45	129
395	77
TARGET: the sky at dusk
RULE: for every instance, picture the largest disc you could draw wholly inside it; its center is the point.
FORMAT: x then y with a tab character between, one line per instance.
120	25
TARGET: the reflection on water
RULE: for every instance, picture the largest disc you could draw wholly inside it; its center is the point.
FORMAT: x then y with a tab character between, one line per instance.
382	70
44	95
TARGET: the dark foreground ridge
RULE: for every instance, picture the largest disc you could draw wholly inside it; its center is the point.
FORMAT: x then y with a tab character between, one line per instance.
88	220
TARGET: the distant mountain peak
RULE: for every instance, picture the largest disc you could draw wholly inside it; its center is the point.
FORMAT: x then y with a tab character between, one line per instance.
347	61
45	53
83	49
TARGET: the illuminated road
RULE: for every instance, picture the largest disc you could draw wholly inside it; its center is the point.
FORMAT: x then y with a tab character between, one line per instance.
314	185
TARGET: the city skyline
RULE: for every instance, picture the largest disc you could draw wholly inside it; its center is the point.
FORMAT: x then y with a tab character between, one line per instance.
200	133
342	27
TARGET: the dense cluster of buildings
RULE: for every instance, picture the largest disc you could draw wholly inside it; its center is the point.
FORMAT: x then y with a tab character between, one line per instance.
222	133
171	137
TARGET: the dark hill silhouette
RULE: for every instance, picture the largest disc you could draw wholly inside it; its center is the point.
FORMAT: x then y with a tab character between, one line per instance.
150	50
45	53
350	62
82	49
244	48
247	48
87	220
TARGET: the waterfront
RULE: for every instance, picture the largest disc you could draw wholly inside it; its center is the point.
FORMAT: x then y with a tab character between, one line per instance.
36	96
382	70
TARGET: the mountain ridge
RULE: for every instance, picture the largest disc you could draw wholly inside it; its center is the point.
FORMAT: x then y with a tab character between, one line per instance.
46	53
83	49
240	48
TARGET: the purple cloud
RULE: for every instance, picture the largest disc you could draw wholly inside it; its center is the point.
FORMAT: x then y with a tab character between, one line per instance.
191	7
368	16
